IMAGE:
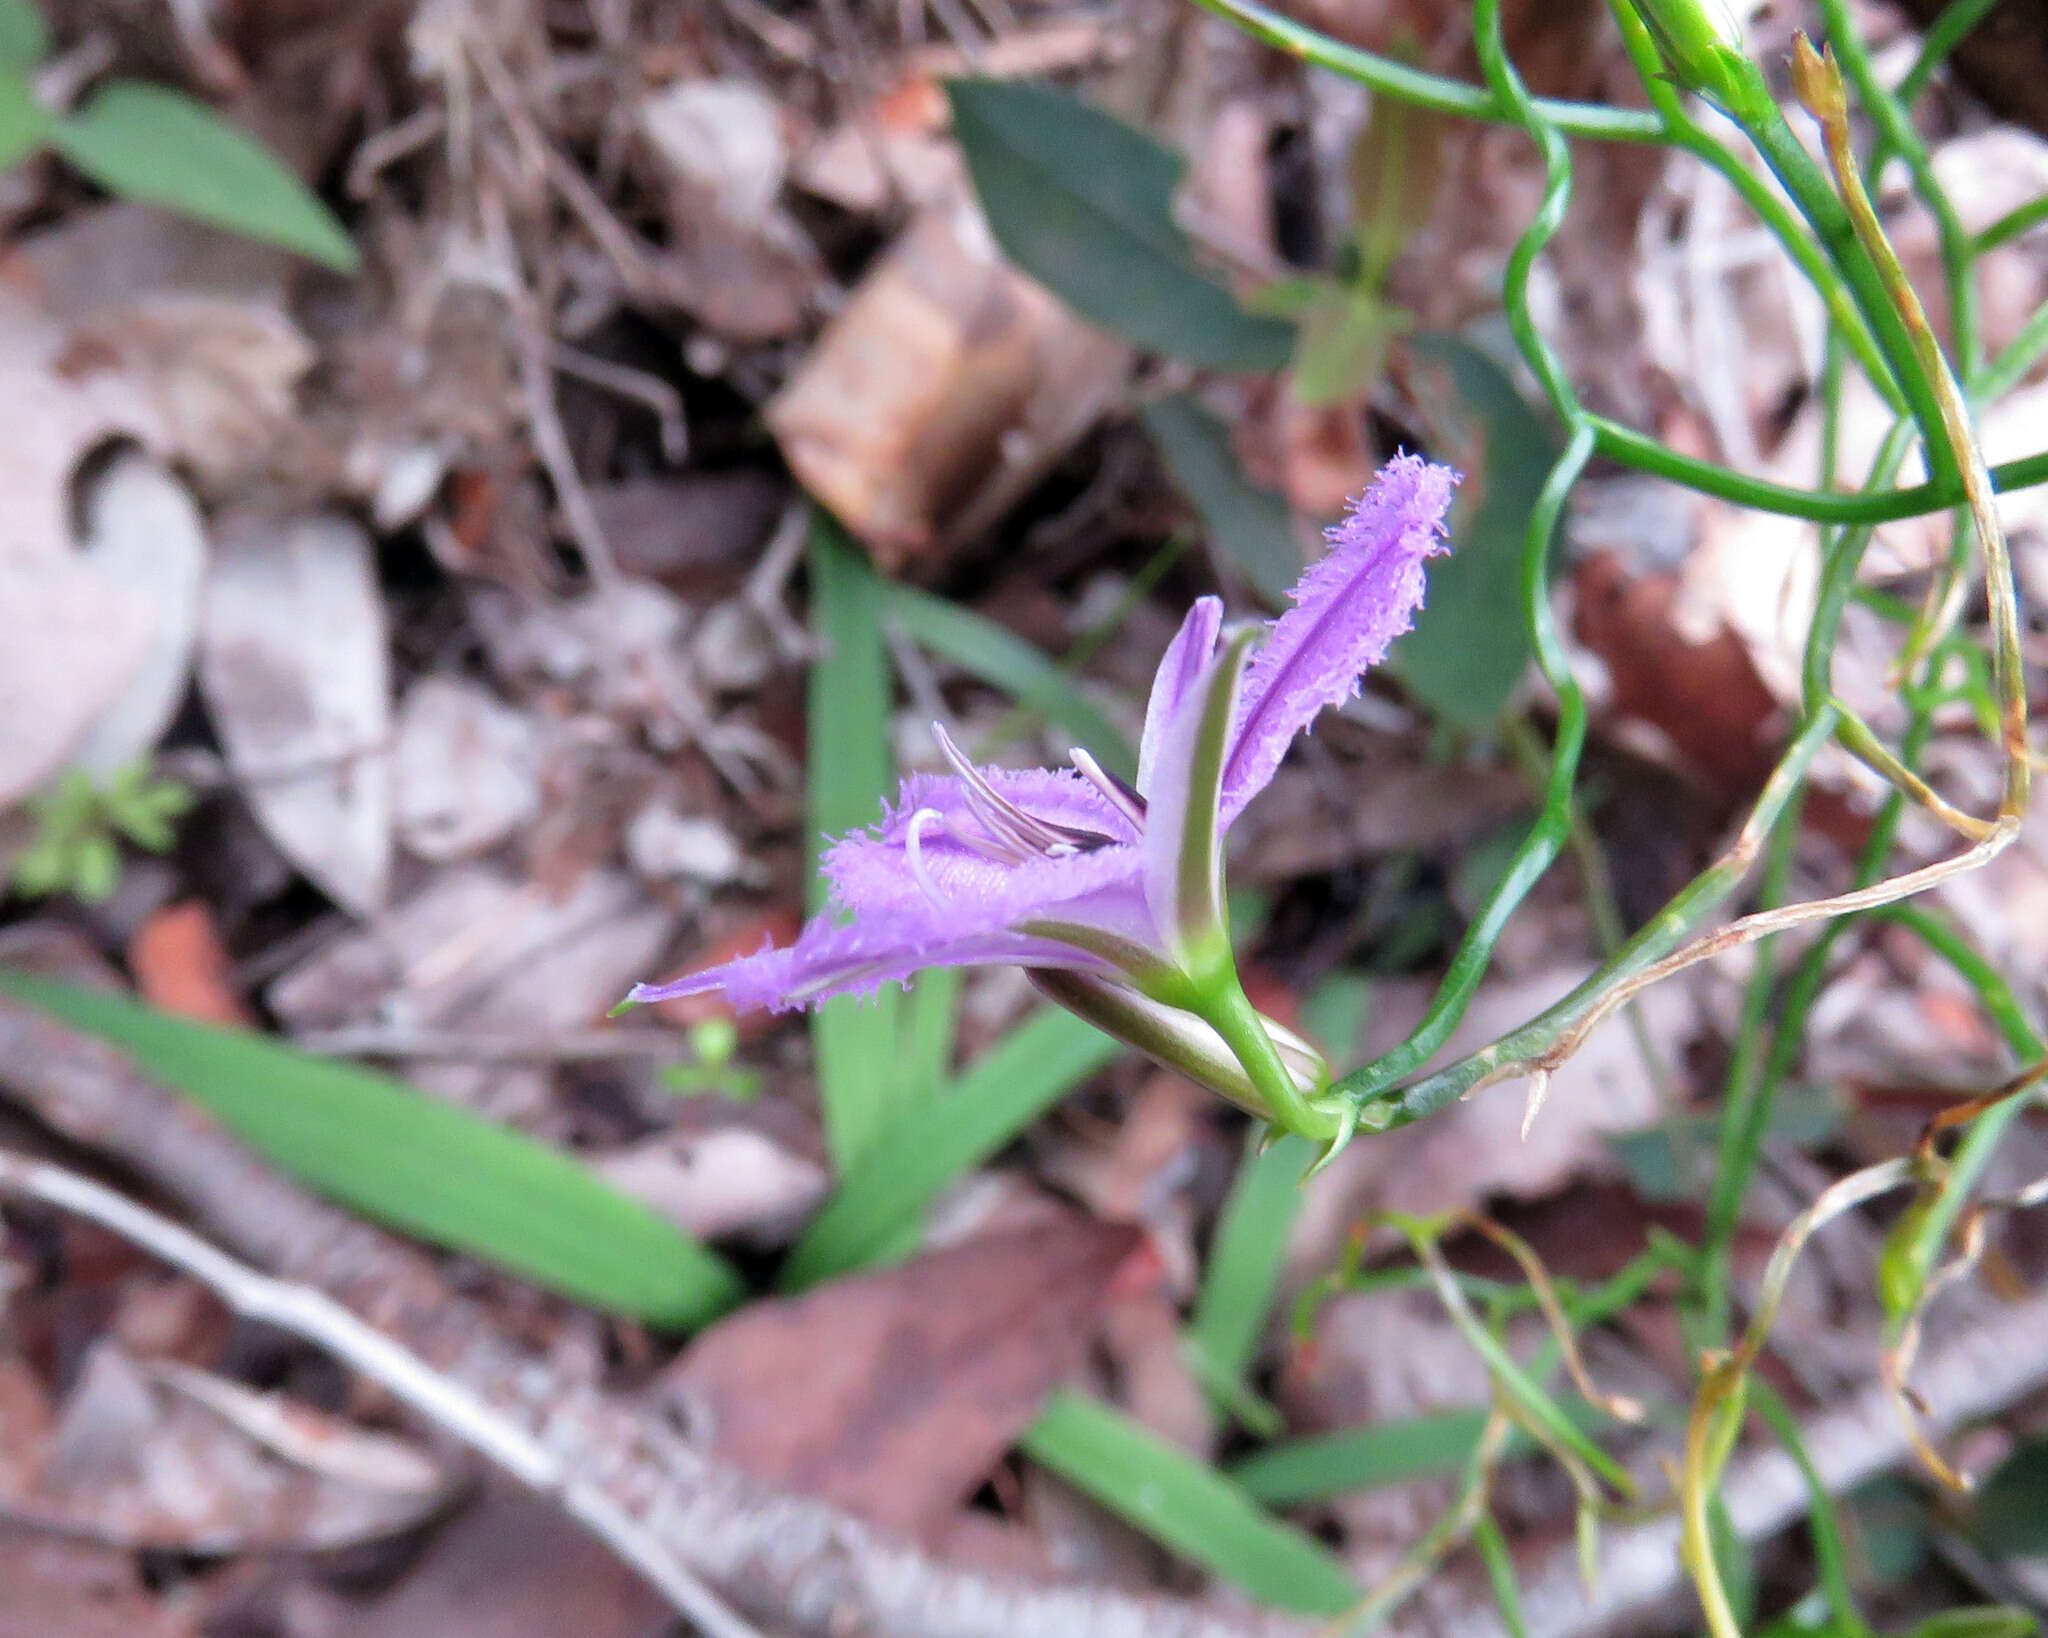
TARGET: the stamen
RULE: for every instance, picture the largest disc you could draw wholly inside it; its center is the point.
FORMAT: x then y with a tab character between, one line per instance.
1007	822
913	852
1122	797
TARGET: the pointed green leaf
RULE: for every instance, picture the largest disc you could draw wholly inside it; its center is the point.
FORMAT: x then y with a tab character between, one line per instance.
24	35
1187	1505
150	143
1084	204
414	1162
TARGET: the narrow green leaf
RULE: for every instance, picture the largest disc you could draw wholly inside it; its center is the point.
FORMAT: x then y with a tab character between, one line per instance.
1251	528
1329	1464
1084	204
24	35
1244	1262
24	126
927	1147
1470	646
150	143
411	1161
848	767
1188	1506
1004	660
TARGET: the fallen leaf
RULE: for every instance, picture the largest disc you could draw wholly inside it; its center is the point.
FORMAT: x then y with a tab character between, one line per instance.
1703	692
180	965
143	532
513	1566
192	1463
292	660
946	384
78	1589
893	1394
466	769
75	640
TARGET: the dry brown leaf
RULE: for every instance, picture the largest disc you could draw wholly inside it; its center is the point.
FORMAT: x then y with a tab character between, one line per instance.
730	1180
512	1567
947	383
77	1590
893	1394
181	965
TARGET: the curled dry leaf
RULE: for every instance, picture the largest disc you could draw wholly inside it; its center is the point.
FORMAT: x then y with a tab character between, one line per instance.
293	664
76	637
945	386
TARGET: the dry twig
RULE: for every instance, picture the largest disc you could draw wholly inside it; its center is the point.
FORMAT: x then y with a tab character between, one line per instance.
307	1313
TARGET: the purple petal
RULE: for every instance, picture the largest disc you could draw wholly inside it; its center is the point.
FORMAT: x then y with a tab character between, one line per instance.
871	870
1348	607
1182	663
853	958
1183	853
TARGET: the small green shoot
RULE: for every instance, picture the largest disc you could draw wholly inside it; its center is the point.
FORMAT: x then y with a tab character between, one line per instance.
80	826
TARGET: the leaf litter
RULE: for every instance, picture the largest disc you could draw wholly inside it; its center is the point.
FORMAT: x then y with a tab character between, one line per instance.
482	569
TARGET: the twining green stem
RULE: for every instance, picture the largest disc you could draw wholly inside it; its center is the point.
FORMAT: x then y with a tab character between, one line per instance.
1815	195
1646	454
1550	1033
1993	993
1397	79
1552	829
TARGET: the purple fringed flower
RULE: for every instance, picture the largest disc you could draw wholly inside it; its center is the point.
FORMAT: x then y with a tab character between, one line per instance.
1116	888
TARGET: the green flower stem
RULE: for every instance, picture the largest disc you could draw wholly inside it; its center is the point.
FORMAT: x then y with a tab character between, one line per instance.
1229	1011
1425	90
1947	33
1993	993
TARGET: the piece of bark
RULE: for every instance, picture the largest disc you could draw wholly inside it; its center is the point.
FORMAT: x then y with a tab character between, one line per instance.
946	386
800	1566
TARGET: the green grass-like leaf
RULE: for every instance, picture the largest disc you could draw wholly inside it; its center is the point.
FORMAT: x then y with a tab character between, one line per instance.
1177	1500
1084	204
848	775
24	35
378	1146
1246	1256
929	1145
150	143
1328	1464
